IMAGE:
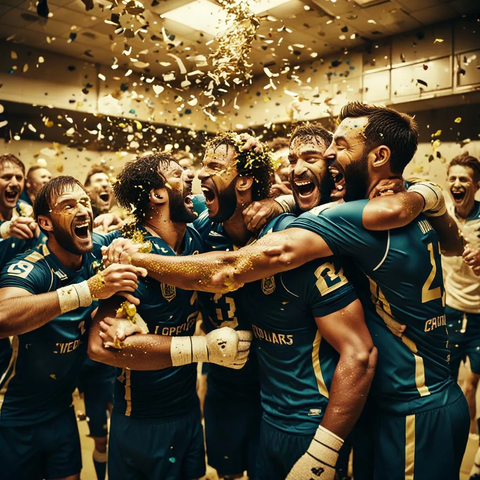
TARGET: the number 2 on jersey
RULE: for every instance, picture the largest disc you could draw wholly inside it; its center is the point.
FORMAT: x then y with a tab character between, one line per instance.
429	294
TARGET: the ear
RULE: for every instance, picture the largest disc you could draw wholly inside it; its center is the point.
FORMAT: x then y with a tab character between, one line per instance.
244	183
27	184
158	196
382	156
45	223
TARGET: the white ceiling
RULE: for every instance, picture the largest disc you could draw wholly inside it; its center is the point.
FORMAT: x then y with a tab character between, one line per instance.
315	27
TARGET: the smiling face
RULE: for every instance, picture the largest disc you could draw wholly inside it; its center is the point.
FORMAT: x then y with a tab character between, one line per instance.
179	194
218	178
462	188
308	172
71	217
348	151
11	185
100	191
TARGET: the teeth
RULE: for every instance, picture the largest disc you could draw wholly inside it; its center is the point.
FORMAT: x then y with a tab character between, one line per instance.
82	225
302	184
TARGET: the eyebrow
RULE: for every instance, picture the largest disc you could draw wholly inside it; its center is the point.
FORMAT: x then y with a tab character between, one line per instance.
340	138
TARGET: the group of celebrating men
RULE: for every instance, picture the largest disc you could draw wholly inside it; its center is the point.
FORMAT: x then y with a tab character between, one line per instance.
325	320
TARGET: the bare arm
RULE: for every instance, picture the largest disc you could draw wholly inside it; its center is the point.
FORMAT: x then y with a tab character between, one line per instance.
225	271
451	241
346	331
139	352
21	312
392	211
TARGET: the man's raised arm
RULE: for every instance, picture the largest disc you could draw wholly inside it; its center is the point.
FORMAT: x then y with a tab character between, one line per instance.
225	271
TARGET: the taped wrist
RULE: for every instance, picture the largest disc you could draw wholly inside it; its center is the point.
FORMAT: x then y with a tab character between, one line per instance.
74	296
287	202
325	446
186	350
433	197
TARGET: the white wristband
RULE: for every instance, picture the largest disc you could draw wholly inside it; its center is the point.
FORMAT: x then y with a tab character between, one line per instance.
433	197
5	229
84	295
325	446
73	296
287	202
186	350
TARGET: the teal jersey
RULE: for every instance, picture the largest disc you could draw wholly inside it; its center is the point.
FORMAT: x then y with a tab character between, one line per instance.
168	311
296	364
401	280
219	310
39	369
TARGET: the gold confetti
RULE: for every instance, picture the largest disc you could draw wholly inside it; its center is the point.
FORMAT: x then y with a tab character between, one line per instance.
458	120
438	40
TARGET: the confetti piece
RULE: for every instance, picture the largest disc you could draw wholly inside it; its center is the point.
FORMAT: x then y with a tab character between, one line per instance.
180	64
458	120
158	89
2	109
25	68
422	82
101	76
13	55
425	67
3	123
438	40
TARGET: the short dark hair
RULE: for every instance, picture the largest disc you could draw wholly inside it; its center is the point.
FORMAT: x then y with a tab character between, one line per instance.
138	178
95	169
466	160
278	143
10	158
248	163
398	131
312	130
53	189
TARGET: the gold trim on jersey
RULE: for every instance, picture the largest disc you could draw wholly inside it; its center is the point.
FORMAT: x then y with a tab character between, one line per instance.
127	377
384	311
322	388
409	447
34	257
12	366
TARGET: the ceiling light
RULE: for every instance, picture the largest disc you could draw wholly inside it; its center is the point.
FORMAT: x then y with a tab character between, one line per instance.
369	3
209	17
200	15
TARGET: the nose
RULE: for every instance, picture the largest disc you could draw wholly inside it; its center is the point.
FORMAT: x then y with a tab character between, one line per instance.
330	153
202	174
457	183
188	175
299	167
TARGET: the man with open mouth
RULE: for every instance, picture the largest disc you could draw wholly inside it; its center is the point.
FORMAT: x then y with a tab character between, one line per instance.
99	189
462	284
156	412
46	305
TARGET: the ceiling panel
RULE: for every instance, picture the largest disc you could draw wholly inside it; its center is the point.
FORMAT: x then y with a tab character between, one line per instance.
321	26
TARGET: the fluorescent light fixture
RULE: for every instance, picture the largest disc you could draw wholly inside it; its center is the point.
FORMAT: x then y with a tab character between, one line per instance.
369	3
259	6
209	17
200	15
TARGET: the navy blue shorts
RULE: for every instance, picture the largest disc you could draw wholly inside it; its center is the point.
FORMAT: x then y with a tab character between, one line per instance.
45	450
428	445
156	450
463	339
278	451
232	432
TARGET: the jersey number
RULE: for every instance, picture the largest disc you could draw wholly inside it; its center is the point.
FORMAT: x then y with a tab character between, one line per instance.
328	279
231	320
429	294
20	269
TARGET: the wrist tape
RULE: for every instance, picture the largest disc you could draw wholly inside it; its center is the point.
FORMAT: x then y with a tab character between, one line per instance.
186	350
325	446
433	197
73	296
